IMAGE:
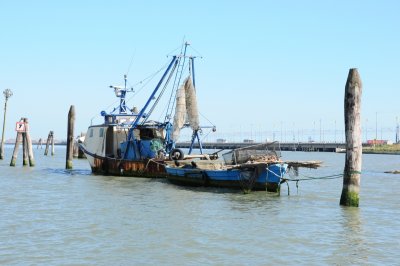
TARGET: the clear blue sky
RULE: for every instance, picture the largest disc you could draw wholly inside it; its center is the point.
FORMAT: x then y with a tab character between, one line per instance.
267	66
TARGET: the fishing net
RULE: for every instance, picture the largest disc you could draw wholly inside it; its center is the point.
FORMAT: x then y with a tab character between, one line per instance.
186	108
180	113
266	152
191	104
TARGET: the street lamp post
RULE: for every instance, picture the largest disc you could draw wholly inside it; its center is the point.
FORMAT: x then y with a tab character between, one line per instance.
7	94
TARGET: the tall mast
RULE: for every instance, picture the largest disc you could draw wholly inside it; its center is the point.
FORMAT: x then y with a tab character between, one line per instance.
121	93
178	76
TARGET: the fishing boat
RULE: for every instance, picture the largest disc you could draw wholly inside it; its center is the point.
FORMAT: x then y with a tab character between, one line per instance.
128	143
250	168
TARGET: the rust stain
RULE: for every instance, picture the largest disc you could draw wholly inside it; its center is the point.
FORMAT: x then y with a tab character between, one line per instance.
144	168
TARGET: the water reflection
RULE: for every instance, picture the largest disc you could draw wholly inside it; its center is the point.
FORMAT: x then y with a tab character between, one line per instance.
214	190
81	218
350	246
259	201
60	171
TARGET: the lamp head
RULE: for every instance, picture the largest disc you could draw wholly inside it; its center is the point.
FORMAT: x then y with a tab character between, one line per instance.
7	93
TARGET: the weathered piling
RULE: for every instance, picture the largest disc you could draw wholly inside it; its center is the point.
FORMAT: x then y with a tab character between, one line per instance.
70	138
52	144
46	150
7	94
81	139
49	140
39	144
76	149
352	116
28	142
25	159
81	154
18	140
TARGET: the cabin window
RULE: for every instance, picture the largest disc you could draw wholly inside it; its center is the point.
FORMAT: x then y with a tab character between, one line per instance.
101	134
91	133
147	133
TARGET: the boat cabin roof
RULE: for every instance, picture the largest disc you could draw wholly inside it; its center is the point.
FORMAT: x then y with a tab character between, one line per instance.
119	119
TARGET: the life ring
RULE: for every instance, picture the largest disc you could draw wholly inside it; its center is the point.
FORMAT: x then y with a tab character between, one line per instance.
176	154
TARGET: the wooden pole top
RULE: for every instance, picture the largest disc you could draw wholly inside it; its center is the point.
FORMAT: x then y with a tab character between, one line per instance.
353	79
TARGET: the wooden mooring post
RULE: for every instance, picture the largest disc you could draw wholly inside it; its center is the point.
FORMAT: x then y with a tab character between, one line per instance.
25	159
81	154
7	94
18	141
28	142
352	117
52	145
50	139
76	149
70	138
39	144
78	153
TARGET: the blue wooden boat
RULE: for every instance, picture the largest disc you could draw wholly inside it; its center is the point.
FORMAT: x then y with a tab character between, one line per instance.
254	167
248	176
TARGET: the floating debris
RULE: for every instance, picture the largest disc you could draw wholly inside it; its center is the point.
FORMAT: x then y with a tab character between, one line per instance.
392	172
306	164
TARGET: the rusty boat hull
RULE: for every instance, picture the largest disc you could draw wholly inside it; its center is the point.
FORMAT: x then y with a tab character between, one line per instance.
103	165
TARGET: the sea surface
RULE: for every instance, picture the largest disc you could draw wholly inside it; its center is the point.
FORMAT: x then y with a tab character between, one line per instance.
53	216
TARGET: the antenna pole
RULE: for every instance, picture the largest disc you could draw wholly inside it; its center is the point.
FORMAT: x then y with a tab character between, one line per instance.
193	76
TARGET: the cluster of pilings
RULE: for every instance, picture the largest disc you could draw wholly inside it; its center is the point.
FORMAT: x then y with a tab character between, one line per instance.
77	153
49	142
24	137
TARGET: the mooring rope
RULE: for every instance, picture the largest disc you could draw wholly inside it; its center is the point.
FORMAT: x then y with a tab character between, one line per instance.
280	176
306	178
314	177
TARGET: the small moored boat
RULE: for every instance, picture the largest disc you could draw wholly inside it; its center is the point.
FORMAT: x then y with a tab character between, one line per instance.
249	168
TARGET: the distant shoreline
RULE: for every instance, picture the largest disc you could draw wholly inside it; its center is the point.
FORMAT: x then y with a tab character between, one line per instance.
36	144
382	152
384	149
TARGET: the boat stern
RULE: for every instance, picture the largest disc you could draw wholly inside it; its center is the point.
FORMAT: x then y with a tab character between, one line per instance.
275	173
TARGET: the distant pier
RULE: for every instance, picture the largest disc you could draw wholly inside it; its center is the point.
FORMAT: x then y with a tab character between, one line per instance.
287	146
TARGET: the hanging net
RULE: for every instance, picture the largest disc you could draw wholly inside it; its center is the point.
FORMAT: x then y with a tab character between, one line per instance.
180	113
191	104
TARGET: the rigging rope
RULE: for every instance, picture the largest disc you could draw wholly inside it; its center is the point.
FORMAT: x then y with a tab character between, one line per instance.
161	93
168	114
130	64
175	86
147	79
206	119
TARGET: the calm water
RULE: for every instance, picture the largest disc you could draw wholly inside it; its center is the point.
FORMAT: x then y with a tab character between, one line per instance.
52	216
